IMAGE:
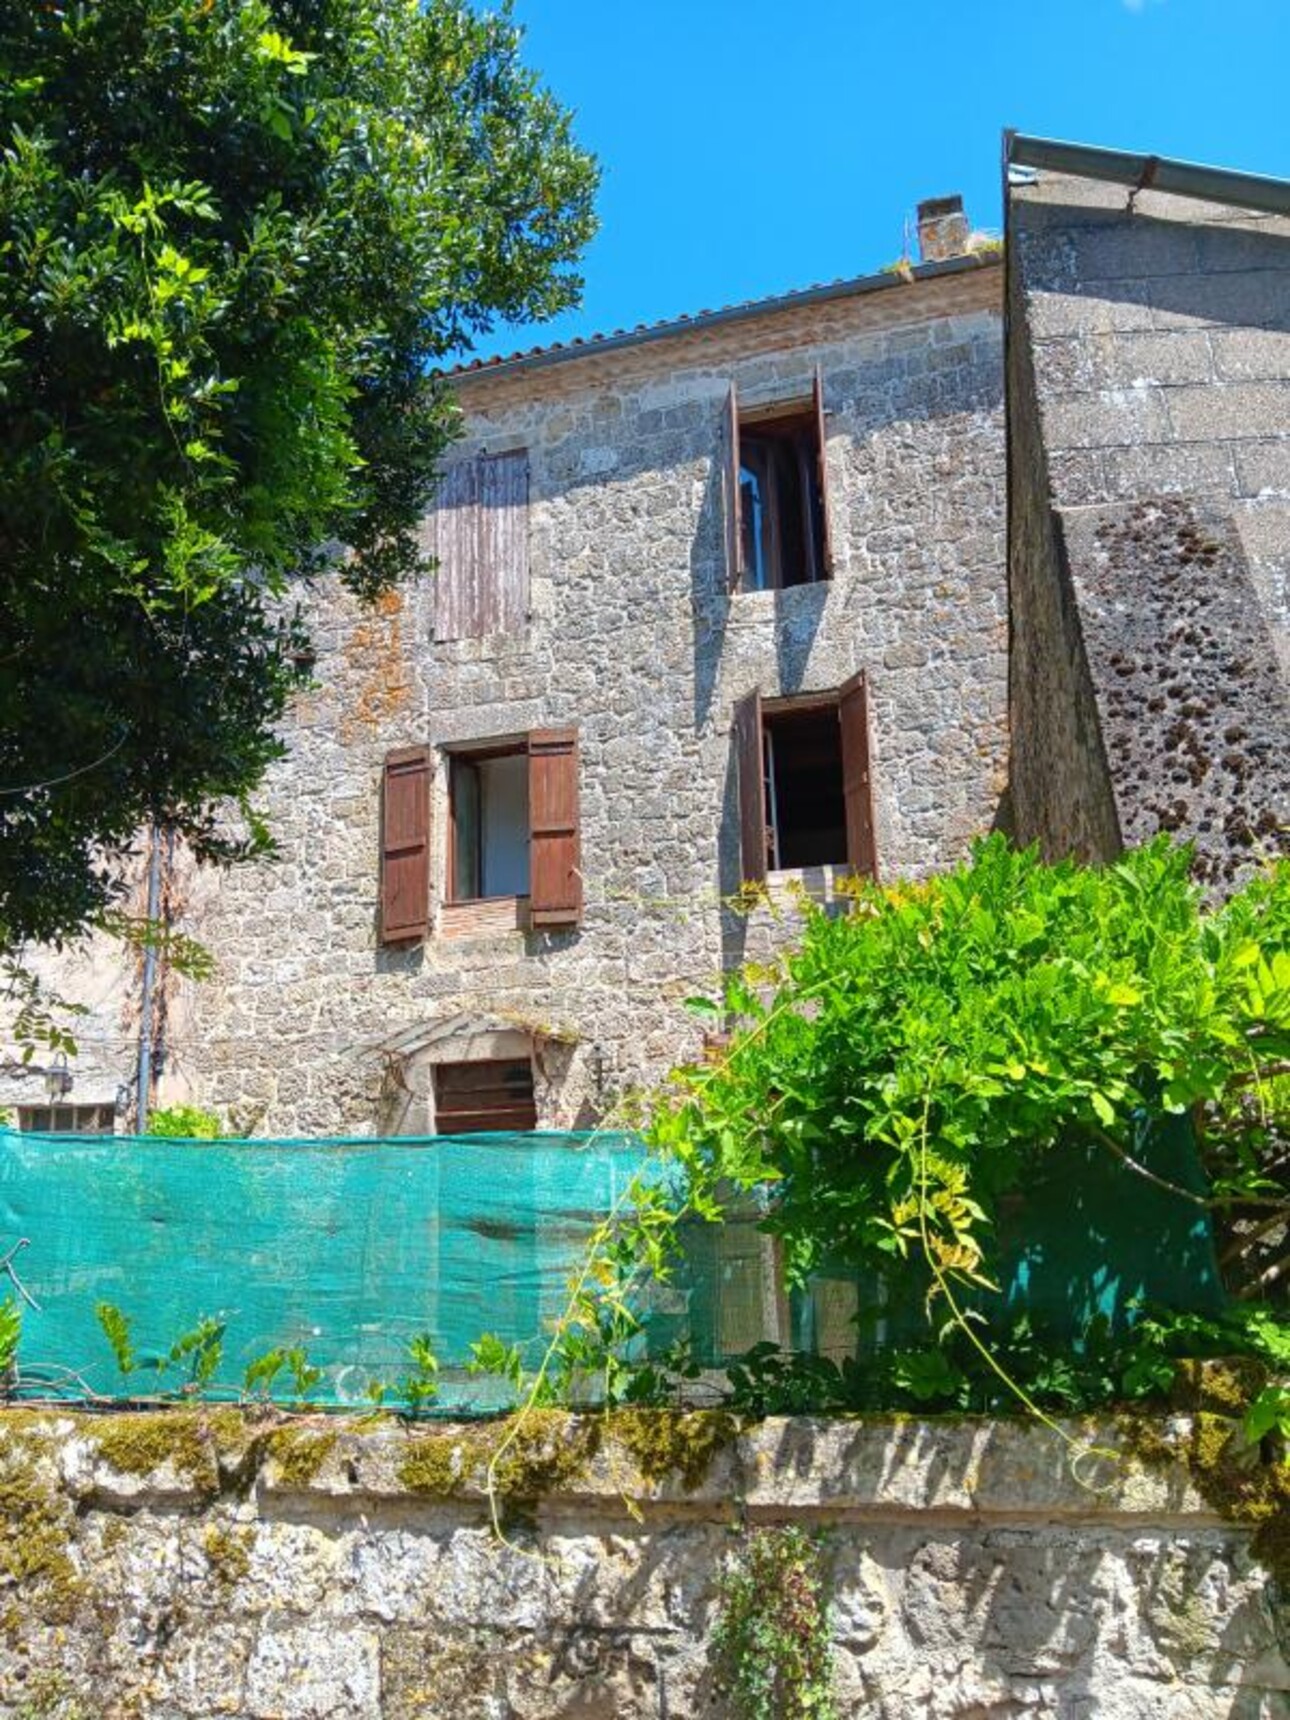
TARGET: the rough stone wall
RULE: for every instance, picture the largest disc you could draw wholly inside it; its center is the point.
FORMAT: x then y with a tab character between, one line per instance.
1150	351
1059	784
633	638
181	1567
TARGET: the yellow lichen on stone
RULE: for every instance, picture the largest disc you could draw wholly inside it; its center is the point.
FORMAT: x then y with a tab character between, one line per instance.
142	1442
299	1454
228	1552
436	1464
36	1528
541	1451
1230	1476
666	1442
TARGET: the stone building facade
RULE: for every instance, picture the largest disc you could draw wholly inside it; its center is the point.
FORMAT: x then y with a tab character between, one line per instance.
595	596
1120	669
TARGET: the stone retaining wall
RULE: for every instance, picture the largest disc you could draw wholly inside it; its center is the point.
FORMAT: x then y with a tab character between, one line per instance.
188	1565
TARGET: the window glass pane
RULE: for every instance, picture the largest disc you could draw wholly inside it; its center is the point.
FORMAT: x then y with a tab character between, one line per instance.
465	813
504	817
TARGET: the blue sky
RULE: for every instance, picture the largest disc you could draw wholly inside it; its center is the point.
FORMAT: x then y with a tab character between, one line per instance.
755	146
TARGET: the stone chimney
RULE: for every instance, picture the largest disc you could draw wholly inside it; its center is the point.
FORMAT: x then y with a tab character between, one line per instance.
942	229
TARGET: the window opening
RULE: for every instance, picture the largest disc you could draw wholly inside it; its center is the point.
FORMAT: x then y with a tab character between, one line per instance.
67	1119
485	1096
776	487
489	796
780	502
805	805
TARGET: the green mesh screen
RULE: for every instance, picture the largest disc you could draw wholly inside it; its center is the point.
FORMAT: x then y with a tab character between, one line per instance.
350	1248
347	1247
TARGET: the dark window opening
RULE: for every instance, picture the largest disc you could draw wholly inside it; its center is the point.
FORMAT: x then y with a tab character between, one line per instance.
806	823
780	508
489	802
477	1098
67	1119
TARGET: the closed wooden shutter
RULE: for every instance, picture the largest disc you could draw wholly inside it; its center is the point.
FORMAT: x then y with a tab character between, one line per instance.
555	887
405	846
474	1098
749	757
730	484
857	780
826	541
456	548
481	542
503	553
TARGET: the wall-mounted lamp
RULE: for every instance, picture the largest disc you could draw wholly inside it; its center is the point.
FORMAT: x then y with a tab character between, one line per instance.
58	1077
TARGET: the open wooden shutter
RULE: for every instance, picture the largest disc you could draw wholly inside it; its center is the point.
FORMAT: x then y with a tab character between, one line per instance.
857	781
733	506
456	548
826	541
405	846
752	788
503	552
555	878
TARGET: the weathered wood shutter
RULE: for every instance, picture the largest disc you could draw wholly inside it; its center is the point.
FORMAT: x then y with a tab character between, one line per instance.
821	433
857	781
749	756
481	542
555	878
503	554
730	484
405	846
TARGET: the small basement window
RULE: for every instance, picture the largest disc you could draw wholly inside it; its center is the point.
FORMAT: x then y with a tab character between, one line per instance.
489	805
477	1098
67	1119
777	504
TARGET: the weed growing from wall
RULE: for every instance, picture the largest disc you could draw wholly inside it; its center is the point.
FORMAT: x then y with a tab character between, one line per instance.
773	1653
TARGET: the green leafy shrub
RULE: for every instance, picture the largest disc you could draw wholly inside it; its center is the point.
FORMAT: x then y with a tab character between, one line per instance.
912	1061
185	1123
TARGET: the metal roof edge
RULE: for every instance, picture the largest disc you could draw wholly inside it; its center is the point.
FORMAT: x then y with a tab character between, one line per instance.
854	287
1155	172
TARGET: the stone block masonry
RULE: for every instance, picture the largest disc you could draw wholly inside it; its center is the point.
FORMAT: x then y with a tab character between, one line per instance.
633	638
190	1564
1149	422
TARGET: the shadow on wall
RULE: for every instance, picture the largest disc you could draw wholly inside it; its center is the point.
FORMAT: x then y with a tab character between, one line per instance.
1206	273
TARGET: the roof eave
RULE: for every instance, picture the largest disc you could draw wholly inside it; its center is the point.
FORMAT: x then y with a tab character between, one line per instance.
679	326
1154	172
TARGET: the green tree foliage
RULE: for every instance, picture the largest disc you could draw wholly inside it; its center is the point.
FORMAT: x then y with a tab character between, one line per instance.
234	238
909	1064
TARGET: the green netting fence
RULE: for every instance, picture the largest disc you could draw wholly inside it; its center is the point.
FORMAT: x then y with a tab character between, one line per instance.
350	1248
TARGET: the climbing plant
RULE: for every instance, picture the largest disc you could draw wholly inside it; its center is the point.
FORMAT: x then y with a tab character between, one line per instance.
910	1063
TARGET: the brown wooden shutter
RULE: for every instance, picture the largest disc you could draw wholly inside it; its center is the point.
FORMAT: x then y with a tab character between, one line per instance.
826	541
749	756
405	846
555	878
857	782
481	542
503	549
456	547
733	507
